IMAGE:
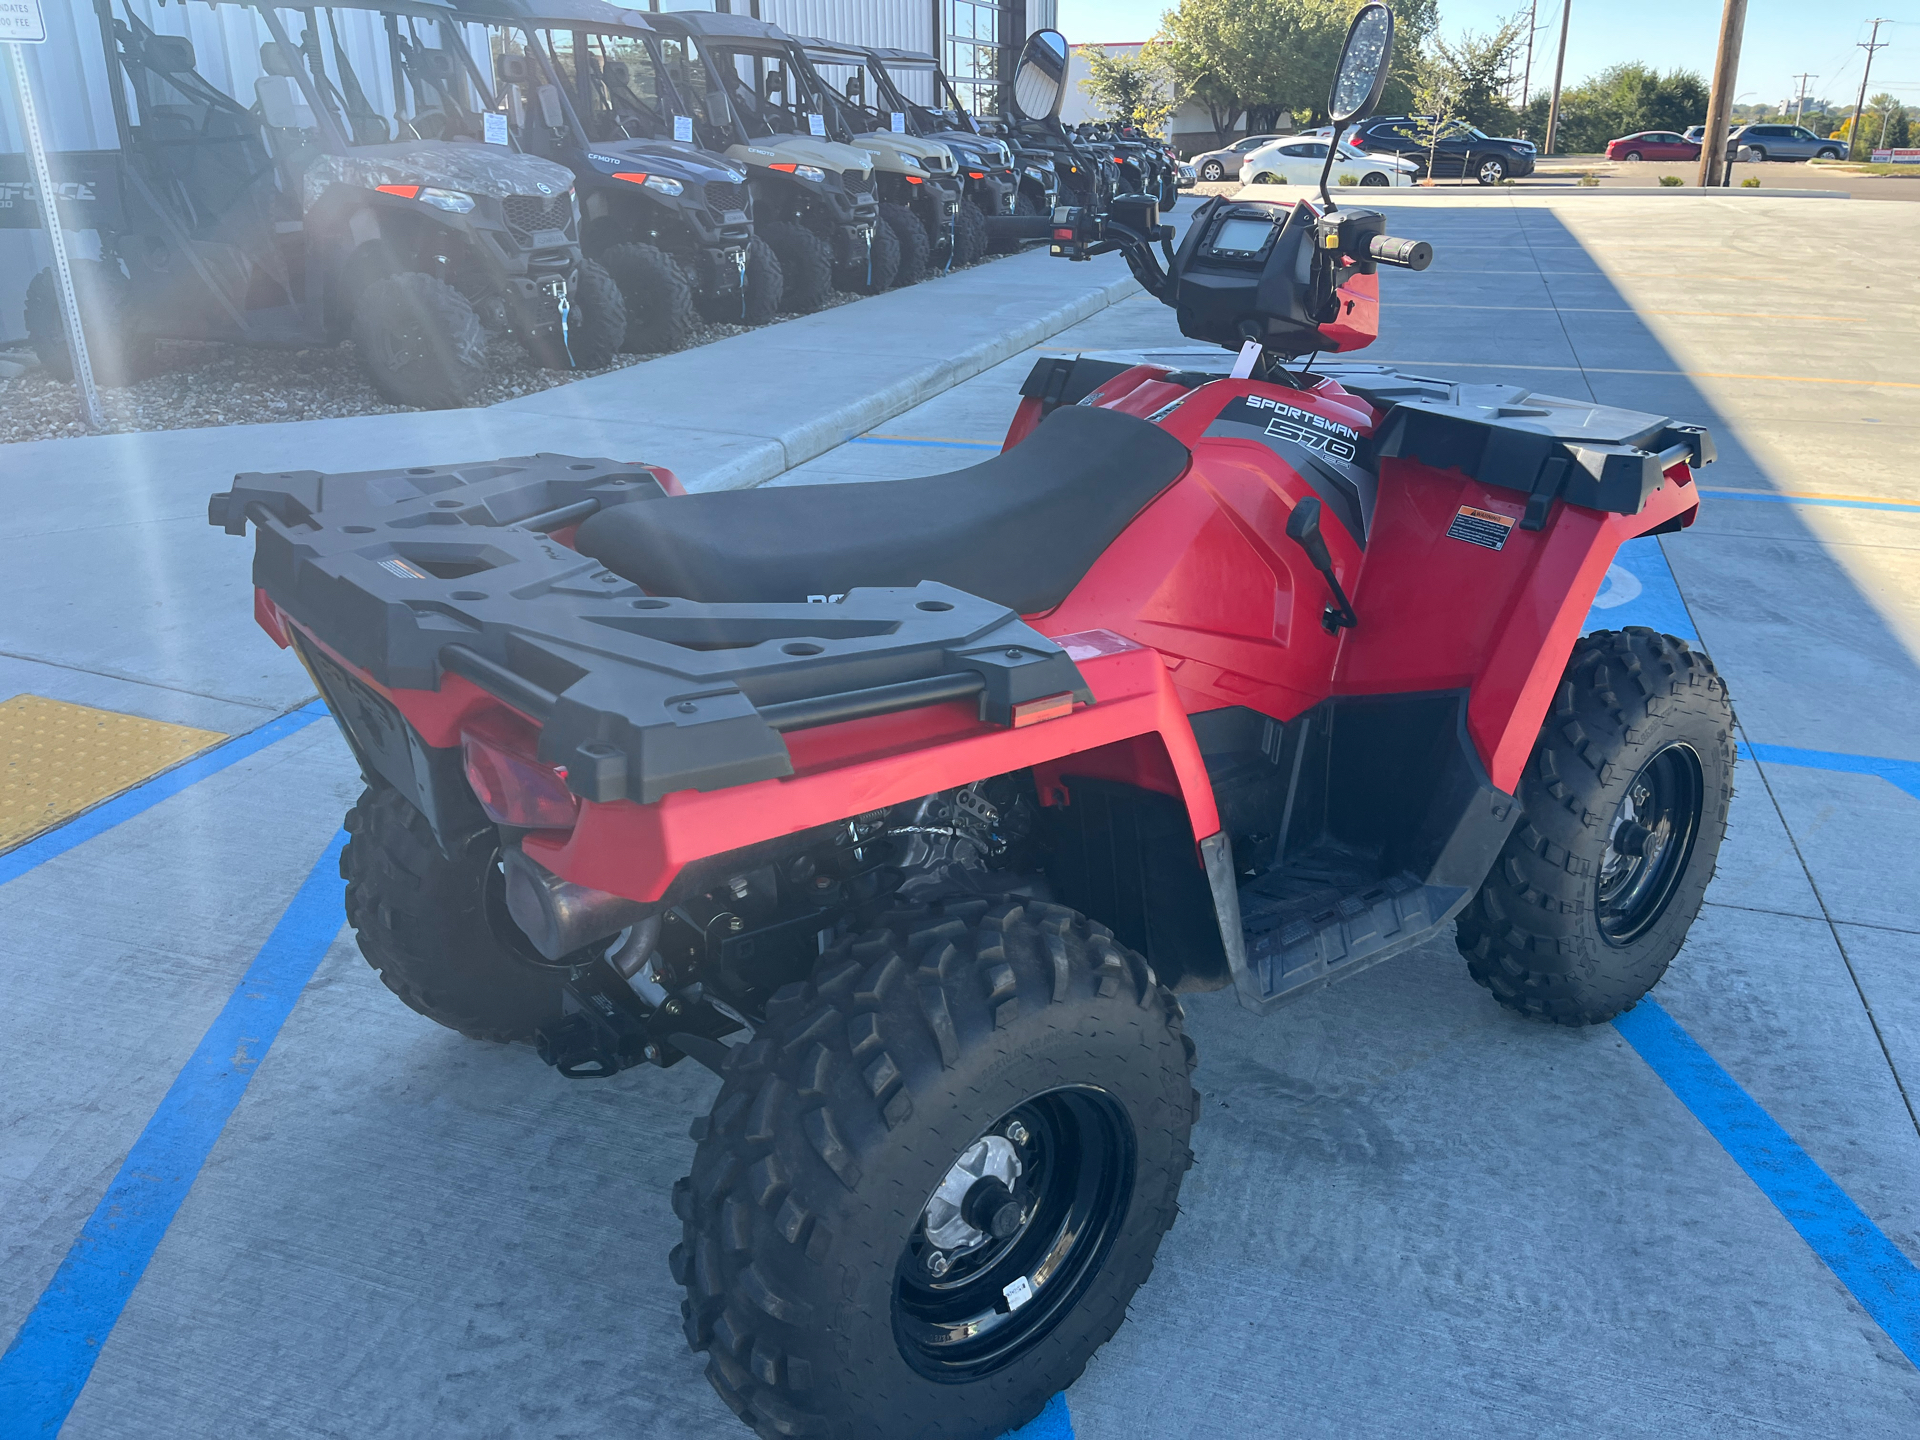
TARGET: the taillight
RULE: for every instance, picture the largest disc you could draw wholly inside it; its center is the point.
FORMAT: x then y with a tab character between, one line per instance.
513	784
1358	142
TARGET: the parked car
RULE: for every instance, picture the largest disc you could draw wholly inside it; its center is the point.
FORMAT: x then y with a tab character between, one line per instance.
1294	161
1783	142
1221	163
1654	145
1453	147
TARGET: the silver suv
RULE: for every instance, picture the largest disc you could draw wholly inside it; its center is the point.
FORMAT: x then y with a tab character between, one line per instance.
1782	142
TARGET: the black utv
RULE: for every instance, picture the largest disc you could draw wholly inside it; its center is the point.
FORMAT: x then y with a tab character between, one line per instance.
396	211
1085	171
745	85
672	223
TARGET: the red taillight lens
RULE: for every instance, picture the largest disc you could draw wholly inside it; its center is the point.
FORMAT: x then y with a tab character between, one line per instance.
1358	142
632	177
405	192
514	786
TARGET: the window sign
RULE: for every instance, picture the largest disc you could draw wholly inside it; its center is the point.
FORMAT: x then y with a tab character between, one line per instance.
683	129
816	126
898	117
496	128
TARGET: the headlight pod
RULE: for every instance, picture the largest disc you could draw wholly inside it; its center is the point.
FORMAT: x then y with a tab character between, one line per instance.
452	201
801	172
659	184
1036	172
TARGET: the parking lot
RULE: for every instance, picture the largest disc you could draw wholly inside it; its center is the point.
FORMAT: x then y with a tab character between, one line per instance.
236	1200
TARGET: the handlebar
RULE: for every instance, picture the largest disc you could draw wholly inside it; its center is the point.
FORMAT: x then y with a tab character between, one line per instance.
1402	254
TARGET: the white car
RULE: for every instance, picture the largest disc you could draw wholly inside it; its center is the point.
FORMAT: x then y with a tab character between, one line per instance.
1297	159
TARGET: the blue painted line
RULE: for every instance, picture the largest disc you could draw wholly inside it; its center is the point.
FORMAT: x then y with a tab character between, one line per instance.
1640	590
1878	1273
937	444
1052	1423
1903	773
48	1363
101	818
1907	507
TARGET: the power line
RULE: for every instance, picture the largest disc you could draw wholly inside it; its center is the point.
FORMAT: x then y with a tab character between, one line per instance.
1801	99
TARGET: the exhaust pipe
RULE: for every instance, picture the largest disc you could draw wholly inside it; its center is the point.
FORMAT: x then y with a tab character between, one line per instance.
559	916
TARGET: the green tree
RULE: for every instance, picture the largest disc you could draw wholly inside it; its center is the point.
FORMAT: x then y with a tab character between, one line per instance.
1468	79
1133	89
1884	123
1621	100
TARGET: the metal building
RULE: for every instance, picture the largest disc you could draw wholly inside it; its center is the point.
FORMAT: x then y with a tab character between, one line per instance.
975	41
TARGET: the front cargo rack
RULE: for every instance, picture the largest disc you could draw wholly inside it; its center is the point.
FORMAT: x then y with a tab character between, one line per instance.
412	574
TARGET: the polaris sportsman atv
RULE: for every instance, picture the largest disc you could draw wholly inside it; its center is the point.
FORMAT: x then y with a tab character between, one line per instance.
670	222
315	214
813	194
909	808
919	177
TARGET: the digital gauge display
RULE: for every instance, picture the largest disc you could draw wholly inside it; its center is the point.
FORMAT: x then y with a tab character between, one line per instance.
1242	235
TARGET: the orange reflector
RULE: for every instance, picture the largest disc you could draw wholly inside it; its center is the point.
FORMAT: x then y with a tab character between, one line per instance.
1047	707
405	192
915	180
976	174
632	177
787	165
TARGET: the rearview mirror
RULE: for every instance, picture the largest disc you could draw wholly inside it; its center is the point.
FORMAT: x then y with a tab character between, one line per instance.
1363	66
856	87
776	84
1040	76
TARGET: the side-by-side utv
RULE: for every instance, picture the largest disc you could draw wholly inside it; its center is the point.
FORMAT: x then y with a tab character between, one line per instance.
814	198
329	207
672	223
911	808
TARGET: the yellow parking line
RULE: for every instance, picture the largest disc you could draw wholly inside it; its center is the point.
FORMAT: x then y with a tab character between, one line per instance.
1815	495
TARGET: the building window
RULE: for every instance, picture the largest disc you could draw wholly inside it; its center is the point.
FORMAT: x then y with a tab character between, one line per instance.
980	37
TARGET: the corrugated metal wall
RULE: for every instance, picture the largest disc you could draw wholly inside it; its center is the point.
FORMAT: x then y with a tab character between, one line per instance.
69	75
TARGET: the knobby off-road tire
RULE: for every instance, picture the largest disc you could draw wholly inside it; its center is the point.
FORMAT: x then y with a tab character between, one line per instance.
910	236
765	282
117	352
596	318
658	299
1024	206
437	929
872	274
1572	926
806	265
836	1123
970	240
420	340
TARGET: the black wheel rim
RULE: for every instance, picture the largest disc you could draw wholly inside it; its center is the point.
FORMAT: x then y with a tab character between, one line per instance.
1075	1149
1649	845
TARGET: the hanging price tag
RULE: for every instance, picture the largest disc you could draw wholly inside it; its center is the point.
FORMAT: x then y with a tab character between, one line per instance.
816	126
899	123
683	129
496	128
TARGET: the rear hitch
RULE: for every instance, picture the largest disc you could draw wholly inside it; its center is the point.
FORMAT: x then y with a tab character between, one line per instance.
608	1028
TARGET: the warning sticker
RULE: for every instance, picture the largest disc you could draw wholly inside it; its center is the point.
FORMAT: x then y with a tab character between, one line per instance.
394	565
1481	527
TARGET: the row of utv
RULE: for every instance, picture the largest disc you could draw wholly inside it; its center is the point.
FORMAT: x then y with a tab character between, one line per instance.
590	180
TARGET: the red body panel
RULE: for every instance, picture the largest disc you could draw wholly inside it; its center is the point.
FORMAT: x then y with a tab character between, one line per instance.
1224	609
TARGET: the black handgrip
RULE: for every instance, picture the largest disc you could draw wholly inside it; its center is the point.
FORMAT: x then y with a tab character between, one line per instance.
1402	254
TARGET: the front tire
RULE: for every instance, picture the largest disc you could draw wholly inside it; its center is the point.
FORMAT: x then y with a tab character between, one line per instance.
658	300
1373	177
436	928
117	352
806	263
970	238
872	274
420	340
1022	1037
1623	808
1492	171
910	238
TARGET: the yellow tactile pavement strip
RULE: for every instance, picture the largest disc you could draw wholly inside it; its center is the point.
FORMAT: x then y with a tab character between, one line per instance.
62	759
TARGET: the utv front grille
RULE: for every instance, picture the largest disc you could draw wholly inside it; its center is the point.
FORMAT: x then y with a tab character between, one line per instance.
859	182
528	213
724	195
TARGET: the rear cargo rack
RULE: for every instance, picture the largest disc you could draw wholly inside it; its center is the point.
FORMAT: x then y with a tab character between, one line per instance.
413	574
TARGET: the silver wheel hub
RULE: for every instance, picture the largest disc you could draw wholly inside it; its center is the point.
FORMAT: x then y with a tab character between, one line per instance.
947	1229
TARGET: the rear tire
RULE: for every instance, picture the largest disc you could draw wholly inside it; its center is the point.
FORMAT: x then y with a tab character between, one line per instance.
873	274
910	237
806	1258
657	297
1573	926
806	265
420	340
117	352
1213	170
437	929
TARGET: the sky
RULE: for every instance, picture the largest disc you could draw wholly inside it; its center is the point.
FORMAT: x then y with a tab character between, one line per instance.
1783	38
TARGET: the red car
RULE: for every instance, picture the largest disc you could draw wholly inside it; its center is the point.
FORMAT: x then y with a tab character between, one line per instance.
1653	145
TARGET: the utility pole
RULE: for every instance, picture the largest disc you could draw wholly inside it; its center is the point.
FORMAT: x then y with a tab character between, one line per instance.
1559	66
1876	43
1801	99
1726	66
1526	80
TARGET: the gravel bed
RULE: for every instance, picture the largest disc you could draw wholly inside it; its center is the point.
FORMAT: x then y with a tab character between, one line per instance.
199	383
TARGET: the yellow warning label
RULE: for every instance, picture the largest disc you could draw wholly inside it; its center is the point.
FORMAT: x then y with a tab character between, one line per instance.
62	759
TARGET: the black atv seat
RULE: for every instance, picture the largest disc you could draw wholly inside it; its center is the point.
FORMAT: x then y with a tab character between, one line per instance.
1019	529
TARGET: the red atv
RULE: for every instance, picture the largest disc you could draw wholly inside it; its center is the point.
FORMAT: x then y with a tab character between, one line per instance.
910	807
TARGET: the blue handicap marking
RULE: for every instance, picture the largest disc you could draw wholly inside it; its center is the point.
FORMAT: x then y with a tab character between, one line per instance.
1640	590
1052	1423
1903	773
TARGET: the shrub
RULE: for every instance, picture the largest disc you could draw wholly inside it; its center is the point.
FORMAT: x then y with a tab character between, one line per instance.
1671	180
1752	182
1588	180
1347	177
